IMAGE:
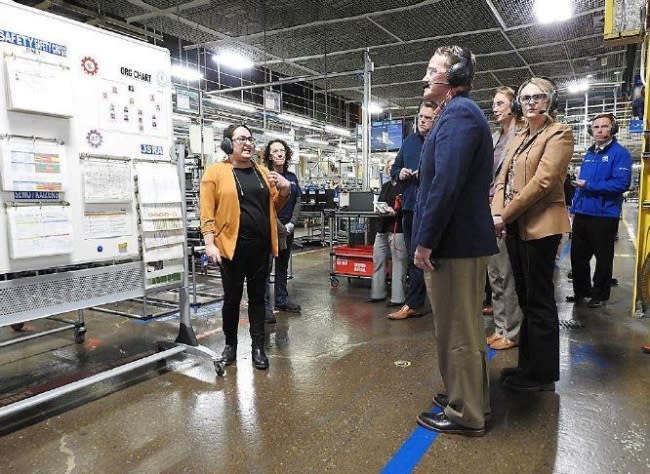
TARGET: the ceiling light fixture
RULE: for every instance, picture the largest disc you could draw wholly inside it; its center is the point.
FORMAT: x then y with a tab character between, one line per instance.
316	141
576	87
374	108
219	124
232	104
233	60
182	72
345	146
551	11
274	134
294	119
338	130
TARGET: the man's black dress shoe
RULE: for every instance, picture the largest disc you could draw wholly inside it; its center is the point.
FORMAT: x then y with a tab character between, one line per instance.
440	423
375	300
229	354
575	299
522	383
260	361
594	303
441	400
289	307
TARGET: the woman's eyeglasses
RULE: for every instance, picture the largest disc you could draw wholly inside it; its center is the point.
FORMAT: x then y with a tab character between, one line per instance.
243	140
525	99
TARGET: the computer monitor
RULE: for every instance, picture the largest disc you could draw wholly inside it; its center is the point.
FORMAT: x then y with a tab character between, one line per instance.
361	201
386	135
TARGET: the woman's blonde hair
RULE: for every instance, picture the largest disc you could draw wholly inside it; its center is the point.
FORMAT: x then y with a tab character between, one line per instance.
547	86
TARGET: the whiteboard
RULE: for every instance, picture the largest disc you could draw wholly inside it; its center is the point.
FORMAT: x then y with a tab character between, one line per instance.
72	66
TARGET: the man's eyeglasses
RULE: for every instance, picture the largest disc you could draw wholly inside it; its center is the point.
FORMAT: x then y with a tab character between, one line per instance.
425	118
525	99
243	140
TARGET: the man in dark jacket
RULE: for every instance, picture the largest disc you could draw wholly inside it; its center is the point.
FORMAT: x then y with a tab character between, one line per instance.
605	175
405	170
454	236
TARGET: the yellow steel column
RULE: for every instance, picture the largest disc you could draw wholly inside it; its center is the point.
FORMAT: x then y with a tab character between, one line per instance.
641	293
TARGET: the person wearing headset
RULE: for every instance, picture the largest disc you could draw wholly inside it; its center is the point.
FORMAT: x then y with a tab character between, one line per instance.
239	202
507	314
453	237
277	156
529	206
605	174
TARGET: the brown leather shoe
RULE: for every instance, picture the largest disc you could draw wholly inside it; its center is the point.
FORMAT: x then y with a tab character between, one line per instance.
488	310
493	338
646	348
503	344
404	313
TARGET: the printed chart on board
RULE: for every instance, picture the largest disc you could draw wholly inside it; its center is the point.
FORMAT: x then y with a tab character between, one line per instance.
133	108
161	216
31	165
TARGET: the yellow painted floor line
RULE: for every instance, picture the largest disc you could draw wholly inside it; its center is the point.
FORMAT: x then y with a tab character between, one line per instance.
630	230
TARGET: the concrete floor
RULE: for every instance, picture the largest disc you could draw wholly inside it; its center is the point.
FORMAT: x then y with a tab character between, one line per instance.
333	399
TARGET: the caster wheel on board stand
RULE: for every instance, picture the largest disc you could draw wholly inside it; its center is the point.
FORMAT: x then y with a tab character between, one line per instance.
79	336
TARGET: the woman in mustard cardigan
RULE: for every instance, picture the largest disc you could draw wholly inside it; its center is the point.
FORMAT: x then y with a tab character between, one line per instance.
239	201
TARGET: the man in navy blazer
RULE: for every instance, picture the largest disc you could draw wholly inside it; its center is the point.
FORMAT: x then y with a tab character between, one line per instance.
454	236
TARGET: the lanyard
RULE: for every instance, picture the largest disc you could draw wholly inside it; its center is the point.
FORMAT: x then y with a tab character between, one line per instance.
525	144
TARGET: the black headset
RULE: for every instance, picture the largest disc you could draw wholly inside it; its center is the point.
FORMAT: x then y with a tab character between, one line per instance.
460	74
226	145
552	103
515	109
612	120
226	141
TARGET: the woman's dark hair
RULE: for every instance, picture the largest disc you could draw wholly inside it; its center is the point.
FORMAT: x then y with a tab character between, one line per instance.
287	154
228	132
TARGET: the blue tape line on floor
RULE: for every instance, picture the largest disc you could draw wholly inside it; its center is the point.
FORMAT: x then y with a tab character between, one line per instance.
586	353
566	250
409	454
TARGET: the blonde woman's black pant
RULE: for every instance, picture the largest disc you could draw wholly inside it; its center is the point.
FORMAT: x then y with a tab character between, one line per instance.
539	337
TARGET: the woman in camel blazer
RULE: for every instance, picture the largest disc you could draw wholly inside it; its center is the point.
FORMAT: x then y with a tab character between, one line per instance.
529	205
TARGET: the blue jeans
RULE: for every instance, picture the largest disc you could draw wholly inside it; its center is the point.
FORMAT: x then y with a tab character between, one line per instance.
281	276
417	291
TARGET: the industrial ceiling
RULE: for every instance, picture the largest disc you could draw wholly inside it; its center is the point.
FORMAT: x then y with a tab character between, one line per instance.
312	37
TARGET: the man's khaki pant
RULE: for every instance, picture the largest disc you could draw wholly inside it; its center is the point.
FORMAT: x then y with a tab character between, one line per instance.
455	290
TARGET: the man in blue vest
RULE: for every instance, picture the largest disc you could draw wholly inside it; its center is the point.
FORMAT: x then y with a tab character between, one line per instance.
405	169
605	175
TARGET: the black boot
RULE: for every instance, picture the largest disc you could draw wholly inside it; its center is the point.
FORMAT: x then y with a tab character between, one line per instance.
229	354
260	361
